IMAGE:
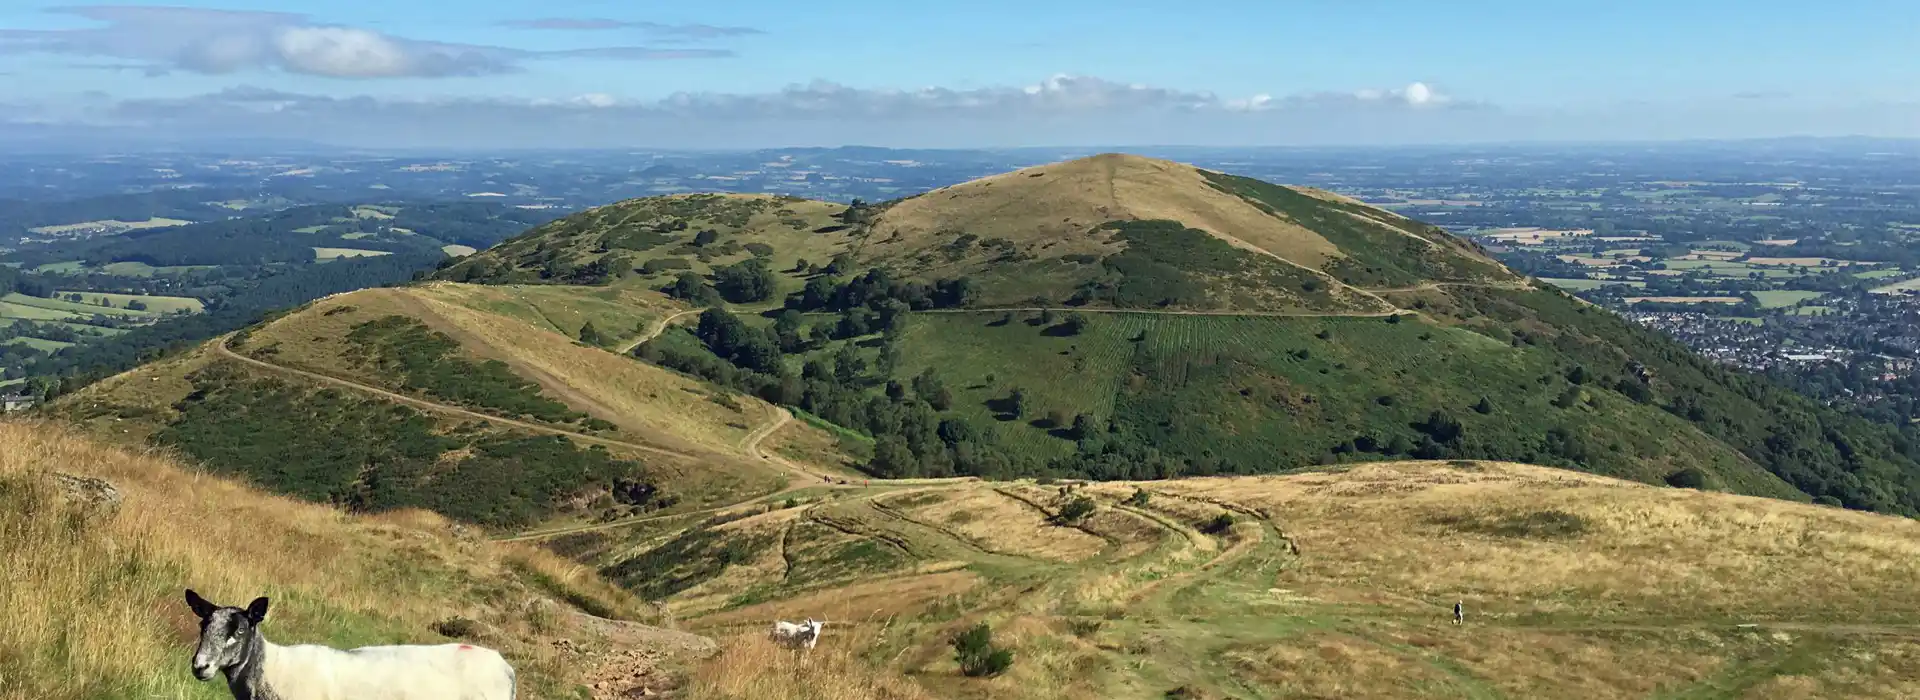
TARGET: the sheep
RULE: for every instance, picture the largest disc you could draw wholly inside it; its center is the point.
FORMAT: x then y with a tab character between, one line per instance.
256	669
796	635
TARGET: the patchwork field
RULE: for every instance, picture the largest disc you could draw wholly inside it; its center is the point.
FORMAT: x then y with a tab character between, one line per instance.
1685	300
1778	298
1899	287
156	304
1586	284
337	253
109	225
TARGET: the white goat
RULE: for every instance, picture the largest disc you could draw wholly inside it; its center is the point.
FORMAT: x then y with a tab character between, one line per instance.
256	669
795	636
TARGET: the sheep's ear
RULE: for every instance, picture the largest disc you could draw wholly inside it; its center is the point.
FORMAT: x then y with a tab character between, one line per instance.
257	610
200	605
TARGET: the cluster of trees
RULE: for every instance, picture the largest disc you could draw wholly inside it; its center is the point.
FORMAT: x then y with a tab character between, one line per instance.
912	436
878	287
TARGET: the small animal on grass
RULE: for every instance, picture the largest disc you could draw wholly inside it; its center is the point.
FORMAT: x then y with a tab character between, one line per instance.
256	669
1459	612
797	635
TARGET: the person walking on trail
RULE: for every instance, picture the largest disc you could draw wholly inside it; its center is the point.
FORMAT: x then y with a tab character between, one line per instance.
1459	612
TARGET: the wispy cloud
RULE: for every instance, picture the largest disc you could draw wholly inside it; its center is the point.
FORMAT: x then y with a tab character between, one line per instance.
1059	109
1413	96
1060	95
229	41
679	31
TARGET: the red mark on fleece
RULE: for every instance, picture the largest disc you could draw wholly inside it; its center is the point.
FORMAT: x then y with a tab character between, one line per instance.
465	647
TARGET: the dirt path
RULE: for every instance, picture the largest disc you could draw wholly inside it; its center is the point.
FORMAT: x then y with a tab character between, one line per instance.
220	346
658	328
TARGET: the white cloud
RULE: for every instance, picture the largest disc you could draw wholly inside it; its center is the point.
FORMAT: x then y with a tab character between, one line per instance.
227	41
1058	109
675	31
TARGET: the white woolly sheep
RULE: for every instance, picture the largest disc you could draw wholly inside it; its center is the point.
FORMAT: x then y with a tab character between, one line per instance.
256	669
797	635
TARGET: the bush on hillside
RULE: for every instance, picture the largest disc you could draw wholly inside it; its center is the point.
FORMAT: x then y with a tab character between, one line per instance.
1075	510
977	655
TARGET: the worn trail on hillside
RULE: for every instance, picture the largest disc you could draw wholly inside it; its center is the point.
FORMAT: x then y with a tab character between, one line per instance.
659	327
220	346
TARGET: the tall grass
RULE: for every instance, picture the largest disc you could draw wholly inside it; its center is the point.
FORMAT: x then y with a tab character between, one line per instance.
92	603
752	667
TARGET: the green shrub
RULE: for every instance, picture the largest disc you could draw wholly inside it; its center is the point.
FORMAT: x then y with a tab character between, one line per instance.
1139	498
1219	525
1688	478
977	655
1075	510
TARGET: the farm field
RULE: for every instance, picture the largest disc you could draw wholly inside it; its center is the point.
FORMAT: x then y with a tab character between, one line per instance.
10	309
69	267
155	303
458	250
1899	287
39	343
323	254
1584	285
1778	298
88	306
1685	300
1880	274
110	225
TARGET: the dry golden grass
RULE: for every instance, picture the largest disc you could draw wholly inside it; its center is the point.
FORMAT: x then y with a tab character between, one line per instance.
1062	203
751	667
1000	524
93	605
1801	262
1645	551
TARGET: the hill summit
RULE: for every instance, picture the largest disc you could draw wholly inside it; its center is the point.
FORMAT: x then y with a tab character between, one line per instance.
1109	230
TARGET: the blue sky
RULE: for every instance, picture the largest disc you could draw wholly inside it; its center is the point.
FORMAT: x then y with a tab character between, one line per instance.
747	73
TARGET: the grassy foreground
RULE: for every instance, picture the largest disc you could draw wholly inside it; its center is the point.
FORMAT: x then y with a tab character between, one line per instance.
1331	584
92	596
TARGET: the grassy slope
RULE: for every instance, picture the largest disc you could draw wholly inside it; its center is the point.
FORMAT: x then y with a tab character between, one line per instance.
1574	585
94	604
794	229
1237	388
1021	231
646	405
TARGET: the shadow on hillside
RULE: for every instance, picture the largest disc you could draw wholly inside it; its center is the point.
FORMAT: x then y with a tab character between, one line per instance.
1060	330
1002	409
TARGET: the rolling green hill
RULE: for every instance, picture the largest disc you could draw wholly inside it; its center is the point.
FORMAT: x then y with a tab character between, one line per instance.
975	329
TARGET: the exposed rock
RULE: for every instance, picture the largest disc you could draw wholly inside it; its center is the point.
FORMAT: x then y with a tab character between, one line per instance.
95	497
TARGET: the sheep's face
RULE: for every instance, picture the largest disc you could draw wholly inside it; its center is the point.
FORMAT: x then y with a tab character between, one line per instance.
226	634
